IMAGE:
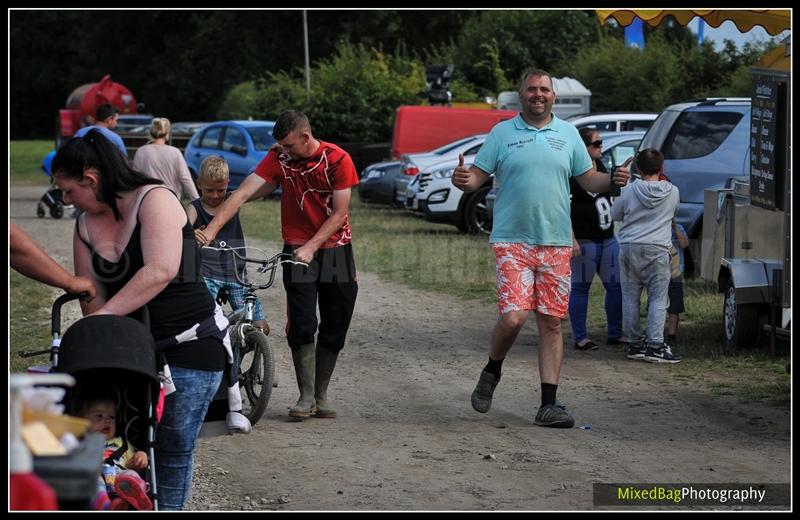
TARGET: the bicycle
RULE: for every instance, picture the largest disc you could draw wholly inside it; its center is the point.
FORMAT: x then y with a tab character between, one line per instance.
250	345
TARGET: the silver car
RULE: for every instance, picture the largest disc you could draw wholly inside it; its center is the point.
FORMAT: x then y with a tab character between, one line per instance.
413	163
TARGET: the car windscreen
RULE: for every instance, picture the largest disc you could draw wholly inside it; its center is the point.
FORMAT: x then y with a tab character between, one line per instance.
452	146
696	134
262	137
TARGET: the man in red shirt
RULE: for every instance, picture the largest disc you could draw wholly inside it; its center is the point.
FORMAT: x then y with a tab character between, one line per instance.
316	178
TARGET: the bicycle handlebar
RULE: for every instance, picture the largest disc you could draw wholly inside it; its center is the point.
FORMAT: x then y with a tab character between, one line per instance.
267	264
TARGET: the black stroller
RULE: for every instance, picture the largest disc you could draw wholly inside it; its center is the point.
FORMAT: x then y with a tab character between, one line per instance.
52	199
116	354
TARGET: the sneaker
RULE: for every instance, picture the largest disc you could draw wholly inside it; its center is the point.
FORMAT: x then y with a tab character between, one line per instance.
636	351
662	354
589	345
482	395
554	416
130	486
238	423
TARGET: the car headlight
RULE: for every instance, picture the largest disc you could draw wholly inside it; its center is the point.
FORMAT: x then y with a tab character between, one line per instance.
375	174
444	173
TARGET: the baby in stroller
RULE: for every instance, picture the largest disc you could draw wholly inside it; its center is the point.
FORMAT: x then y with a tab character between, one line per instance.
120	460
113	361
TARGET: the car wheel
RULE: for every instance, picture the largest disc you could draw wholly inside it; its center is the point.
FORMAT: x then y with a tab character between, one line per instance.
476	217
740	321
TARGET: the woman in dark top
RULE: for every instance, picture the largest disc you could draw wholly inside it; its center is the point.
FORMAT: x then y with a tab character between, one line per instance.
594	251
134	241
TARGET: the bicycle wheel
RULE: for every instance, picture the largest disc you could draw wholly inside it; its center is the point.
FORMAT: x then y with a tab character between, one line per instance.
256	375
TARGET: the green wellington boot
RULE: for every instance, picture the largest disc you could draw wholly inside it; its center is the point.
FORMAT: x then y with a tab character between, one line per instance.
304	368
326	361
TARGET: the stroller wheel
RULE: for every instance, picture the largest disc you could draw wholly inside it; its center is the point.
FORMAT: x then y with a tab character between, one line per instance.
57	210
40	210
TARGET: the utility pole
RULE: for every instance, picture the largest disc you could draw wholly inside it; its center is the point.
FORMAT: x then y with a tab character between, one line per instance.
308	66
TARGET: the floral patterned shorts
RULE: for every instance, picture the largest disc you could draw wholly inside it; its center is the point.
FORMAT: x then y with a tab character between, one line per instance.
533	278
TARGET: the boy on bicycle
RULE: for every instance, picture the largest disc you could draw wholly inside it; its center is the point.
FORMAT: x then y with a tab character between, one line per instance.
217	268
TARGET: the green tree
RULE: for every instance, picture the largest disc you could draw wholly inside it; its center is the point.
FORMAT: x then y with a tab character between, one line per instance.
353	94
627	79
524	39
487	69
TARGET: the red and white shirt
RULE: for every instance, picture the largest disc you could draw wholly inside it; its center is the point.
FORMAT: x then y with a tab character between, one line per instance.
308	186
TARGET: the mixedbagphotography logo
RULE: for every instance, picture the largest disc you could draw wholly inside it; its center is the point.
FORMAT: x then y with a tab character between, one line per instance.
690	494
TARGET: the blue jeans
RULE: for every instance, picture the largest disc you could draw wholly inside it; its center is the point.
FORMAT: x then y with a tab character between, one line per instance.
236	295
177	433
600	258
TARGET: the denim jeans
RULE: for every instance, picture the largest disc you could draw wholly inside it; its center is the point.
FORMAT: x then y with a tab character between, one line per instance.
644	266
601	258
177	433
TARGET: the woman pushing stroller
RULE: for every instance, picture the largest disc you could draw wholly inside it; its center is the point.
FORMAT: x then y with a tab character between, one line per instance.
134	241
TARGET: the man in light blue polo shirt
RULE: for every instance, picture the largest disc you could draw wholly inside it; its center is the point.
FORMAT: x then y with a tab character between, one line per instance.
533	157
107	115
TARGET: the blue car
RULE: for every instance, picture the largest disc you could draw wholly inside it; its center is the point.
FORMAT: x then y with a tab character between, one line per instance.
706	145
241	143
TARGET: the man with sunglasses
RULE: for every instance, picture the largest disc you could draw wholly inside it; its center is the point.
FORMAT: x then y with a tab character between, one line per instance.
533	156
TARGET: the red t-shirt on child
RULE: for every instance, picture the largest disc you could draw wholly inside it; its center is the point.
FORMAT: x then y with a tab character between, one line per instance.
308	185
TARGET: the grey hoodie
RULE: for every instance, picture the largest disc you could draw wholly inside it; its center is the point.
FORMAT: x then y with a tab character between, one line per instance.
646	210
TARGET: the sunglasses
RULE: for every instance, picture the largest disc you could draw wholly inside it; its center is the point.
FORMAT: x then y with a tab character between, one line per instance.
596	144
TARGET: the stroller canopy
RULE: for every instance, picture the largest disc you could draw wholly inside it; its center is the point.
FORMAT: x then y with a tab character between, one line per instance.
102	342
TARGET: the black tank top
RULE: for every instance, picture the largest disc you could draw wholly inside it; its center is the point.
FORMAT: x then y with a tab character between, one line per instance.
215	264
182	303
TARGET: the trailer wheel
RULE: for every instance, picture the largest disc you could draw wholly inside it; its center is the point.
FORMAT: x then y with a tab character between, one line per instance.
741	323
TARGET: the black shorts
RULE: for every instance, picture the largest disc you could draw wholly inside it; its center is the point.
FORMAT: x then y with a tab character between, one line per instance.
330	280
675	293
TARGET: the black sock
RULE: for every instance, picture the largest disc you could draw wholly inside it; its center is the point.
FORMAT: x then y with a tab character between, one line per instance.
548	394
494	366
671	339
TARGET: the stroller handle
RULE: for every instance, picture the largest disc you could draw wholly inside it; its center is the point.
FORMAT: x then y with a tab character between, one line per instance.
55	323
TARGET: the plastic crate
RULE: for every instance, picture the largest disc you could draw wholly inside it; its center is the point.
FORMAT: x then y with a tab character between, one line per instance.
74	476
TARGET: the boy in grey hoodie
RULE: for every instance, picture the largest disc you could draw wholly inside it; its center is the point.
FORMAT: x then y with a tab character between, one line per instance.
646	209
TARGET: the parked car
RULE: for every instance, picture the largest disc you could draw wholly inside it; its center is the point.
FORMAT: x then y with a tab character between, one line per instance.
416	162
614	121
617	146
187	127
378	180
432	193
706	145
241	143
133	123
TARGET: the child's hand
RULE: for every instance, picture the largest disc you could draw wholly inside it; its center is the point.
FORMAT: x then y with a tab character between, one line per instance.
139	461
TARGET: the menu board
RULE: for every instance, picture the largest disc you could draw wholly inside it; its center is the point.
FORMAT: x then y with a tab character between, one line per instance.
765	179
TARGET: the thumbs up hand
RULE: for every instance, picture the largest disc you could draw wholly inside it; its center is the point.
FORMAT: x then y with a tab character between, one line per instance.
461	175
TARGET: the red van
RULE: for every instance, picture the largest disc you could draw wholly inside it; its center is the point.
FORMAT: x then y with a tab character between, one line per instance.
423	128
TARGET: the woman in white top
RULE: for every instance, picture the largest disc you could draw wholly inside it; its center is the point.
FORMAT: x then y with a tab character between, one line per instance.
161	161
